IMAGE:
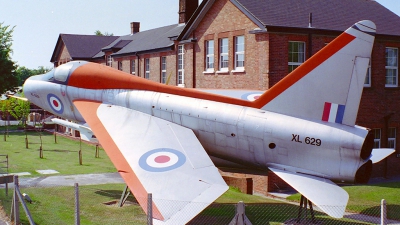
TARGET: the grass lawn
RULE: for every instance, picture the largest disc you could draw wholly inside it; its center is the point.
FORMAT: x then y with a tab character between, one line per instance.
62	156
55	205
366	199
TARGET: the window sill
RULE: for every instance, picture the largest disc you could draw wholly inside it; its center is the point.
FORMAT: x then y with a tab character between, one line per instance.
238	71
181	85
209	72
222	72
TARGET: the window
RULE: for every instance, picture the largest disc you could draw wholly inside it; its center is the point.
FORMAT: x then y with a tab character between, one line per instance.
163	70
120	65
392	137
377	138
367	81
147	68
109	60
391	67
181	71
296	54
210	56
133	67
239	53
223	54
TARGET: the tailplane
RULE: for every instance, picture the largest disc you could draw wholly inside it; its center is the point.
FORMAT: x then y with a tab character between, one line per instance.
328	86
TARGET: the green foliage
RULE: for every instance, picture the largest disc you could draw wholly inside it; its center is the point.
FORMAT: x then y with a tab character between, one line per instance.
24	73
99	33
20	109
8	79
5	108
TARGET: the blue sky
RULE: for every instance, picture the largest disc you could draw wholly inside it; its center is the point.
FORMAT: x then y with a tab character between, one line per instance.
39	23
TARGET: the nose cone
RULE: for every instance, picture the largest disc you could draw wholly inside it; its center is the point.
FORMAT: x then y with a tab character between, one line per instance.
28	88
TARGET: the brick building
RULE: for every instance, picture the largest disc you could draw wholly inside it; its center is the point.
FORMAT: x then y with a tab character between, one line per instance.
252	44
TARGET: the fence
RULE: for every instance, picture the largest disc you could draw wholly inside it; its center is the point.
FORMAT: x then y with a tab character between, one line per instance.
99	204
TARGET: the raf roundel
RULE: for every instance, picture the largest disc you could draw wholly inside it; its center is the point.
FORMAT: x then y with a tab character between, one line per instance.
162	160
252	96
55	103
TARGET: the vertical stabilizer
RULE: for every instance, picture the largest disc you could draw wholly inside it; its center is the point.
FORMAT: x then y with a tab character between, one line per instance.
328	86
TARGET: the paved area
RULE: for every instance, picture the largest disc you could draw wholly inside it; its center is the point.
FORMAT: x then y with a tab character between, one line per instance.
70	180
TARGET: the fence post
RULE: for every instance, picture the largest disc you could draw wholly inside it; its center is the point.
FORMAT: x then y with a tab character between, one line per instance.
77	211
383	212
16	201
149	209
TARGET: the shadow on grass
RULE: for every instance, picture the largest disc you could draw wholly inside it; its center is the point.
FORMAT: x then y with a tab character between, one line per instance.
392	212
115	194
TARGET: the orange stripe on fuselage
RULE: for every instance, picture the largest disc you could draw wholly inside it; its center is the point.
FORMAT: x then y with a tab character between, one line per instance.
88	109
97	76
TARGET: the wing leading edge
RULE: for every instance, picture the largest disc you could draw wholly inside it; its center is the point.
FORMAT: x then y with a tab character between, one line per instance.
158	157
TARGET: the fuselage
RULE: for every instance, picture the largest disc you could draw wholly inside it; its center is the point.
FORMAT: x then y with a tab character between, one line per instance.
237	133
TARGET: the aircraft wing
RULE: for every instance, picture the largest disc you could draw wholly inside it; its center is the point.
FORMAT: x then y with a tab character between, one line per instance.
85	132
156	156
378	154
325	194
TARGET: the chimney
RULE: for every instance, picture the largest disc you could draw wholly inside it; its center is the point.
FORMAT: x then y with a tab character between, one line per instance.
186	9
135	27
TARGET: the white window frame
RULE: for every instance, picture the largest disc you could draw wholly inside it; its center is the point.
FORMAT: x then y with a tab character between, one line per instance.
181	66
377	138
239	53
392	137
163	69
109	61
367	81
300	58
133	67
147	68
223	54
393	67
209	61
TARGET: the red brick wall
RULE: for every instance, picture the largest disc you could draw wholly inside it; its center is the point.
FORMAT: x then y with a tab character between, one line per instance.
259	182
225	19
245	185
64	56
155	65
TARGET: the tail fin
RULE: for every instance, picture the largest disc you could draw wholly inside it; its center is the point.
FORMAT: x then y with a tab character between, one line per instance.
328	86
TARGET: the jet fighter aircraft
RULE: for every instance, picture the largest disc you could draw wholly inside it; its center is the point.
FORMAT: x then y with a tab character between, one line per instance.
162	139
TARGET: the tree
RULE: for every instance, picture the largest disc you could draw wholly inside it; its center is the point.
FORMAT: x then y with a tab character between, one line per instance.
99	33
23	73
8	79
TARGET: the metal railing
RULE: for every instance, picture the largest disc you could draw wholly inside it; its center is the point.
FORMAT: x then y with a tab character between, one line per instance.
101	205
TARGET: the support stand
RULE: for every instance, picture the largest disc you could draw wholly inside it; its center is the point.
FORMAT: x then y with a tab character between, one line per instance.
302	214
303	209
124	196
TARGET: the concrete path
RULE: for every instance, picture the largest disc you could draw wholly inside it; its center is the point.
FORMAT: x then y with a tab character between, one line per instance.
70	180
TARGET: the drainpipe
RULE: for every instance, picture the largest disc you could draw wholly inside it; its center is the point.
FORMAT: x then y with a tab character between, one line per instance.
385	142
138	66
194	63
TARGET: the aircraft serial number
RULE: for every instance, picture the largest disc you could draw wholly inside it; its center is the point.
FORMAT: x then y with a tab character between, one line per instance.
307	140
